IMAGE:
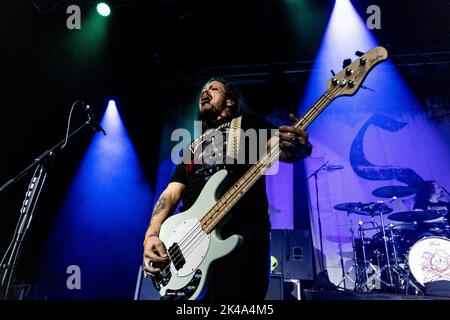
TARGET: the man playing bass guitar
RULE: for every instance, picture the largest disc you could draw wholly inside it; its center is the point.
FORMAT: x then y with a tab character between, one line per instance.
243	274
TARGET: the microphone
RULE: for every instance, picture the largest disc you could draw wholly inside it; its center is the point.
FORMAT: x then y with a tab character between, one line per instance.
92	120
333	167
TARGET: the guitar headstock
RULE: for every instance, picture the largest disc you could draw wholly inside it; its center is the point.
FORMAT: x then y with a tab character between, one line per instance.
348	80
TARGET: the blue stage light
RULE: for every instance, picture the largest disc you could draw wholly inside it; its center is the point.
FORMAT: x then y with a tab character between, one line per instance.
102	221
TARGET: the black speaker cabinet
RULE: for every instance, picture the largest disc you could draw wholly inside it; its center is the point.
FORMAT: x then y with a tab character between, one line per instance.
275	290
292	251
283	289
292	289
145	290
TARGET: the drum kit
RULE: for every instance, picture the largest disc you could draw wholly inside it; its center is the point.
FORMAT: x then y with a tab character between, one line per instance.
401	256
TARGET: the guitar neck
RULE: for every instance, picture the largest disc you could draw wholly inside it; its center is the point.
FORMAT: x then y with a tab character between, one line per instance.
235	193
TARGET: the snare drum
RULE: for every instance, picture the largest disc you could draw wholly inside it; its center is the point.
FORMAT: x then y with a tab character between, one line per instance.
429	259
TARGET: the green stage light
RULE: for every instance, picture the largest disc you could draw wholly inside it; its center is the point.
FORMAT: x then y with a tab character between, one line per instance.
103	9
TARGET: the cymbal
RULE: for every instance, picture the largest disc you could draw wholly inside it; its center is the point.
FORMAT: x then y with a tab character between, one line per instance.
418	216
348	206
393	191
365	209
405	226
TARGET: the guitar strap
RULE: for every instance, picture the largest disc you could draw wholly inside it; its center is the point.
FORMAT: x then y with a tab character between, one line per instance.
234	137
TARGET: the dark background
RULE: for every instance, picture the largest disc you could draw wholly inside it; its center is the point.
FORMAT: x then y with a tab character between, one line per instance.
155	55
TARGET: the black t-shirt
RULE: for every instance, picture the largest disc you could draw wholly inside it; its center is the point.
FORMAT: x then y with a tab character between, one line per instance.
249	217
440	207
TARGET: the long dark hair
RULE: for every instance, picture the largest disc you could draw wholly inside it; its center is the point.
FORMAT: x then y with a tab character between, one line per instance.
233	93
425	191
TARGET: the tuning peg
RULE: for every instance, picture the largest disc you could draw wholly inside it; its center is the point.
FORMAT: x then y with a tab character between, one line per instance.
359	53
332	72
346	63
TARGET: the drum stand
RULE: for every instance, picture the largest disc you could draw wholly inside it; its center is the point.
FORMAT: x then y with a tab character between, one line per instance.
365	273
359	281
346	275
369	279
388	263
403	278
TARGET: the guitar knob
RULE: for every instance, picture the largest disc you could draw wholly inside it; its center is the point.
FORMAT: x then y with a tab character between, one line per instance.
334	81
348	72
342	82
363	61
197	276
351	83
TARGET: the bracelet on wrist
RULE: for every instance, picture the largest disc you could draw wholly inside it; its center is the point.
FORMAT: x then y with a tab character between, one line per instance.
148	236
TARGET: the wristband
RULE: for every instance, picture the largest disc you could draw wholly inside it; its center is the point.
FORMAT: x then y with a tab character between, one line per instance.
148	236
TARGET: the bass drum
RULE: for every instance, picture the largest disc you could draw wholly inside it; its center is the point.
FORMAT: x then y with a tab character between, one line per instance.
429	259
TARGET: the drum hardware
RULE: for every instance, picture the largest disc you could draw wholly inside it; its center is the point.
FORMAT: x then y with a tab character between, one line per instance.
386	249
385	256
365	209
346	275
371	273
359	281
366	273
394	249
363	245
353	207
403	278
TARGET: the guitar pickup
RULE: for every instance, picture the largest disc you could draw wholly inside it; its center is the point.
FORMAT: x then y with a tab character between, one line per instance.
176	256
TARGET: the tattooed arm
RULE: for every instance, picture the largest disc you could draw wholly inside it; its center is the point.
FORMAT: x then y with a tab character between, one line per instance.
168	201
164	207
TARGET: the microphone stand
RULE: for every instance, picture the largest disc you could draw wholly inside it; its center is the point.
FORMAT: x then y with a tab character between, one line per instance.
322	264
41	164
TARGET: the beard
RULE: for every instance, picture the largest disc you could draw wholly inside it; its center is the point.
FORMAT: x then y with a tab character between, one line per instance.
208	114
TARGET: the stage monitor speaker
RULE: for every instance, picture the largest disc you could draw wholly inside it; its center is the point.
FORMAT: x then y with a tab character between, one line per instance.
145	290
292	289
291	252
275	290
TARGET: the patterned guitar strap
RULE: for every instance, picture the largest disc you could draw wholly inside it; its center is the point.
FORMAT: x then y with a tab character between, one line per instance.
234	137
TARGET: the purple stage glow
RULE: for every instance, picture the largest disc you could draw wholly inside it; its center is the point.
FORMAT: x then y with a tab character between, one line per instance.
383	131
280	193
